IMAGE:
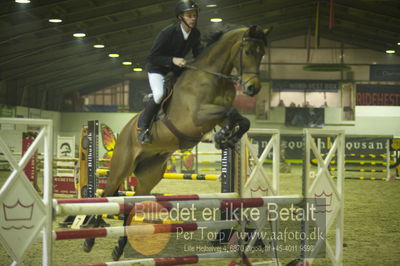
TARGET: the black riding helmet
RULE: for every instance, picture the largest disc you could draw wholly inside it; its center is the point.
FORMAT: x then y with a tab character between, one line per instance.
185	5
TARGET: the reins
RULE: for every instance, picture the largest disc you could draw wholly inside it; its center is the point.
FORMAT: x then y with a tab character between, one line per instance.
220	75
233	78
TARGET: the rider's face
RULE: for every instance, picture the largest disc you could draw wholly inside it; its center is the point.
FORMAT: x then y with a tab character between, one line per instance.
190	17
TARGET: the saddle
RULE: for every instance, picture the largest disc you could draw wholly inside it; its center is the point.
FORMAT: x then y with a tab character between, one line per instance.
185	141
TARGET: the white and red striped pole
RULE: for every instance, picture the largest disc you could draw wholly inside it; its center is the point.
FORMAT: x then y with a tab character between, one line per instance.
149	198
199	204
168	261
136	230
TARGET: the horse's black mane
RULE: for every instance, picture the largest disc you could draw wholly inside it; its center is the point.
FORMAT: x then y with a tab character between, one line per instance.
216	33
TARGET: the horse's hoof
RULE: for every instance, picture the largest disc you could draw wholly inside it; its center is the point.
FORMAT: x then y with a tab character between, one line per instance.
102	223
88	244
116	254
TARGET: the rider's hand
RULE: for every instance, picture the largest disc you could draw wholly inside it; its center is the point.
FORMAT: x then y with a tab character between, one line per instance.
180	62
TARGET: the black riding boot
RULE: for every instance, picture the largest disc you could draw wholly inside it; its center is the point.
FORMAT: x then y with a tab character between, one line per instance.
146	119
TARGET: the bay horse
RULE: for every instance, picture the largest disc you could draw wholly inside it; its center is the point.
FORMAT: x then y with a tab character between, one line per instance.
202	98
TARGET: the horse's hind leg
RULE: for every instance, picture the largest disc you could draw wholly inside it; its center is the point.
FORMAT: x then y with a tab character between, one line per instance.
121	167
149	172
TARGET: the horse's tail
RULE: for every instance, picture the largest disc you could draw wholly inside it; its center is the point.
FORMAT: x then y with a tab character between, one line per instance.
209	112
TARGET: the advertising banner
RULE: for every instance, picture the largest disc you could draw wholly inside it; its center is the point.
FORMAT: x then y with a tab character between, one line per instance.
305	85
65	166
384	72
375	94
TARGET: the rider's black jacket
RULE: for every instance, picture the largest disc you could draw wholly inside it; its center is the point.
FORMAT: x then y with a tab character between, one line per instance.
171	43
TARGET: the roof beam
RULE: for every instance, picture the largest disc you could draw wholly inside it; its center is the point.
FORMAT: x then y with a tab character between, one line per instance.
63	75
91	85
63	85
381	9
81	16
136	24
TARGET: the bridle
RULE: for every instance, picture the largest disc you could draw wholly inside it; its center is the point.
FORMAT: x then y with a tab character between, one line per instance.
238	79
255	73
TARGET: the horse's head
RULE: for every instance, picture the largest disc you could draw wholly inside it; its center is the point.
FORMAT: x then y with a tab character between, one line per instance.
251	51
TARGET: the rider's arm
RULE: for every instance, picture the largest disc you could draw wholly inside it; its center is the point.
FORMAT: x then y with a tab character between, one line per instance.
157	53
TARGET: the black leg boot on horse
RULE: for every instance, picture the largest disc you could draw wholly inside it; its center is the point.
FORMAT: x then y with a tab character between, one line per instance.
146	119
119	249
232	131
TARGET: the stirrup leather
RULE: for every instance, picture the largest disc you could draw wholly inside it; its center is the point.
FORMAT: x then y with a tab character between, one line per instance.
144	136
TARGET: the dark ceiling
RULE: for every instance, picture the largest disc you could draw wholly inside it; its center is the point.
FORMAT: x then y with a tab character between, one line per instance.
39	56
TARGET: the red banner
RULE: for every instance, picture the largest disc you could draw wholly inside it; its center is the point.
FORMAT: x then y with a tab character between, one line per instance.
64	185
378	95
30	168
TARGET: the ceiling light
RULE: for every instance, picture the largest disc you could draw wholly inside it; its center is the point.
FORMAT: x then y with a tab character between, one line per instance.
55	20
137	69
79	35
211	5
22	1
99	46
390	51
216	19
113	55
127	63
398	43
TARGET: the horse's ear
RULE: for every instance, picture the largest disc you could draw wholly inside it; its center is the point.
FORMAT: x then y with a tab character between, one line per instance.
267	31
258	33
253	31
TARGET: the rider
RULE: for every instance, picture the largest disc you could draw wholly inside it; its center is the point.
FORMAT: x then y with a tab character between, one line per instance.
167	55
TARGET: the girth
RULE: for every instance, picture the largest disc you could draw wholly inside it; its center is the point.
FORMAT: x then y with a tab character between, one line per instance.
185	141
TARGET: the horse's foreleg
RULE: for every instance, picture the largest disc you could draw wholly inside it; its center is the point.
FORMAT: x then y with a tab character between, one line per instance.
233	129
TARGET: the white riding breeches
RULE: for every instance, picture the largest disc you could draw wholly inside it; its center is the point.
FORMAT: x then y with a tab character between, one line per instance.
156	81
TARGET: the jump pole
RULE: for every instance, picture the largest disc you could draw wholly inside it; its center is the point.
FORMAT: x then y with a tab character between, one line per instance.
99	208
168	261
185	176
140	230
